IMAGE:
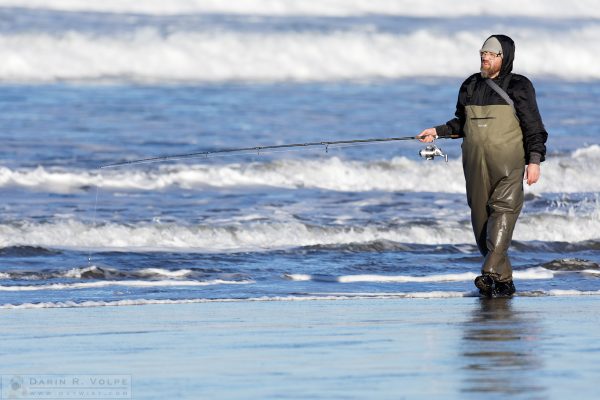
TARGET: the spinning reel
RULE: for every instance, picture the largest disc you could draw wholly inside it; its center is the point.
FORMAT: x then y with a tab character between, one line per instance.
431	152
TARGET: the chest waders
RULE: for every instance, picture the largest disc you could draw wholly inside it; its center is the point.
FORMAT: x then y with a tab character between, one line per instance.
493	164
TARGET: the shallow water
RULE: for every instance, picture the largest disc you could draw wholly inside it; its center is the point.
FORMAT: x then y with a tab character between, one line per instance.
366	221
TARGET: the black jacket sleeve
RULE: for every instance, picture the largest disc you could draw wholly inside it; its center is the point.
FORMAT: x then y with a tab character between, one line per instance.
534	133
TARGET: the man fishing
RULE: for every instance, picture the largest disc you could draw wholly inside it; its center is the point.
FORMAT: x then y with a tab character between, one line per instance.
503	140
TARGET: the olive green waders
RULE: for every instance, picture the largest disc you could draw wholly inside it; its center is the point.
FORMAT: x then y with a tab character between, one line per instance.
494	164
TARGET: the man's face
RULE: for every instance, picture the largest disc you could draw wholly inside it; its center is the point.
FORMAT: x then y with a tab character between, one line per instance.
490	64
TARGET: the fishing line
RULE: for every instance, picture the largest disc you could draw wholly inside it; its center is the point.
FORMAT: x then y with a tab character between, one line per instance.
270	149
94	218
256	153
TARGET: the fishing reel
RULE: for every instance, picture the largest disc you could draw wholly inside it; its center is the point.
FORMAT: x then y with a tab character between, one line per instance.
431	152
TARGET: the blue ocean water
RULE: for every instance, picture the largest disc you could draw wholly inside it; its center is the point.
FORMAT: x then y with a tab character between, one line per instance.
97	86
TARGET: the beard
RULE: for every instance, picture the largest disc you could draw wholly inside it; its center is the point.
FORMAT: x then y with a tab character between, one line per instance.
484	72
489	71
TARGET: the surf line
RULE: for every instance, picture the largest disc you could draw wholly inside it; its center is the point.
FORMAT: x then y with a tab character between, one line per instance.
429	152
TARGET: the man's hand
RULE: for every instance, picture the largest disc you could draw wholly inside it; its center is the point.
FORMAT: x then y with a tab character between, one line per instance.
532	173
428	135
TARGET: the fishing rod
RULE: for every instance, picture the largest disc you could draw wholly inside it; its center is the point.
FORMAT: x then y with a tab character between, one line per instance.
429	153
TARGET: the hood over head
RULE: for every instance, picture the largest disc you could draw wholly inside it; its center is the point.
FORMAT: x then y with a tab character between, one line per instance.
508	53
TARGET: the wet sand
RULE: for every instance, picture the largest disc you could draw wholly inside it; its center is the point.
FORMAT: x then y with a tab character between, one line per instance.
456	348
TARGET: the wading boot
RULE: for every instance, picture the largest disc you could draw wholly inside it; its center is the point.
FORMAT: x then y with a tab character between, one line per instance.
485	284
504	289
488	287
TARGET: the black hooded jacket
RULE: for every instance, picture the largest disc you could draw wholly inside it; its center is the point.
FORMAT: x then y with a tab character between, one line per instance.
519	89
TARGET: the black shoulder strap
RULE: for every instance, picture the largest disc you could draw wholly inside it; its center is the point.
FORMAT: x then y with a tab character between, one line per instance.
500	91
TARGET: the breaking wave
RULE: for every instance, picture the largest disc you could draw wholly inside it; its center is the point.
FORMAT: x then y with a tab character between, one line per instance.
94	272
148	55
563	174
255	236
128	283
267	236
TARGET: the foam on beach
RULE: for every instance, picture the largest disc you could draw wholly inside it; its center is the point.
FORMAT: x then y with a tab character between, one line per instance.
527	274
323	297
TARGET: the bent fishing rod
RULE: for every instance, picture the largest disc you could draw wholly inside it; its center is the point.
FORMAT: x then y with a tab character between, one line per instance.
429	152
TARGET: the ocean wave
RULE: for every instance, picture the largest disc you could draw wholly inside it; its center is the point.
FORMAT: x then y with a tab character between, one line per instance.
327	173
94	272
268	236
332	8
559	247
561	174
128	283
26	251
308	297
572	265
253	236
148	55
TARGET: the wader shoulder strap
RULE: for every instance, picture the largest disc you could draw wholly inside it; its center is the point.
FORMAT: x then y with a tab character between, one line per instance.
500	91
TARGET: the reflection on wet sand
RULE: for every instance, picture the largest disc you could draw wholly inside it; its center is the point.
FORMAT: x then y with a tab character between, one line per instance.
500	350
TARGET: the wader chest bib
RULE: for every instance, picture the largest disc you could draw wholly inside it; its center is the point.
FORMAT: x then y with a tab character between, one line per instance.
493	164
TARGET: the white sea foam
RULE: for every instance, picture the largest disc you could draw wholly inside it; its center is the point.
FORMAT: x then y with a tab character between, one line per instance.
591	271
571	292
128	283
530	273
180	273
157	276
298	277
332	8
467	276
533	273
330	173
109	273
564	174
248	237
264	236
149	55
